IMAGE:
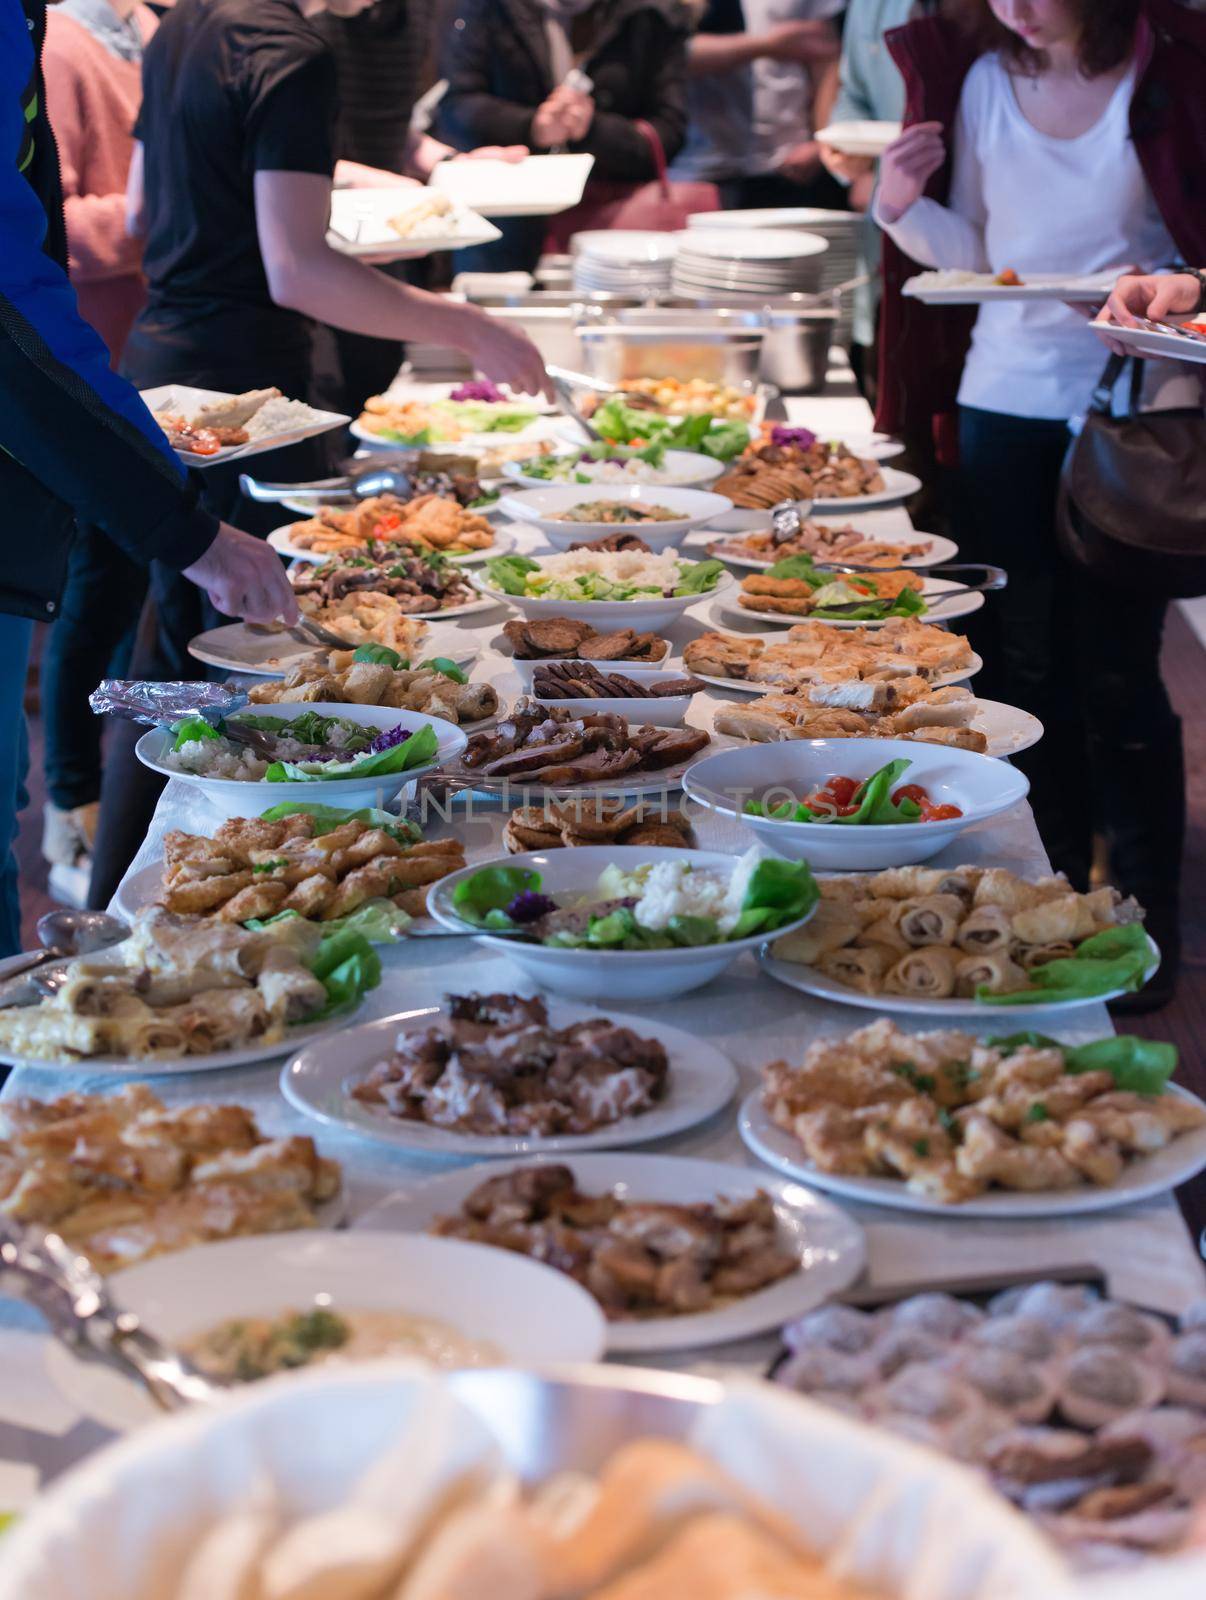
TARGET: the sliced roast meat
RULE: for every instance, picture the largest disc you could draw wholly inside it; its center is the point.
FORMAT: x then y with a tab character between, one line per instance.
608	646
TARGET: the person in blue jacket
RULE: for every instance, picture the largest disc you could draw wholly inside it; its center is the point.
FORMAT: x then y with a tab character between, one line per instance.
75	439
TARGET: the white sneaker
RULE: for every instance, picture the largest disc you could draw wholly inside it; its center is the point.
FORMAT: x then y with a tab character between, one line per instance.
67	836
70	885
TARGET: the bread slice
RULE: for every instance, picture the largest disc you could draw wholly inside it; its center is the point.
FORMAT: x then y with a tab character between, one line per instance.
234	412
726	1557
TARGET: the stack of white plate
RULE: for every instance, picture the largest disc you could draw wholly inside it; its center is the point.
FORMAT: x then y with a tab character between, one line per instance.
842	230
623	261
747	261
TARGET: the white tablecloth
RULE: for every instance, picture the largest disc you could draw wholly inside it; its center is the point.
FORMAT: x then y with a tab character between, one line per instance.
1144	1250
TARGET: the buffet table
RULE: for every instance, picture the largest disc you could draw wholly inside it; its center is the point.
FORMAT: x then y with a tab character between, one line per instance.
1144	1250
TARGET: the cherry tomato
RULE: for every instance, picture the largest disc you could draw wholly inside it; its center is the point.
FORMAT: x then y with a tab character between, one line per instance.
911	791
846	811
842	789
820	800
939	813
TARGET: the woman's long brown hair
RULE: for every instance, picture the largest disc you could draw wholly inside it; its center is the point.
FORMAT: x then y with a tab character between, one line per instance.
1107	33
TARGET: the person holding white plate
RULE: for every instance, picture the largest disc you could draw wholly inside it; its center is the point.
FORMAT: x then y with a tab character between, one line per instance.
1058	163
1157	297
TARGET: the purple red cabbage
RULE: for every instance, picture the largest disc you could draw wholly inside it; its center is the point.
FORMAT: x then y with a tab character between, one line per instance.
528	906
387	739
480	389
793	438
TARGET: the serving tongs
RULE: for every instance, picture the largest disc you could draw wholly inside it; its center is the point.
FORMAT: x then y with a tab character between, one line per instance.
390	473
44	1270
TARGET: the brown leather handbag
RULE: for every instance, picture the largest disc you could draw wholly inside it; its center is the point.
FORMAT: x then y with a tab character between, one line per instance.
1132	500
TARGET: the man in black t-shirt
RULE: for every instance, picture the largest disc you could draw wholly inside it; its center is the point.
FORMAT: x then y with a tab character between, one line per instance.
231	188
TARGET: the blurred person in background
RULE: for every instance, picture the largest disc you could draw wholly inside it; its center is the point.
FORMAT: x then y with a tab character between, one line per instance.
517	73
763	76
93	69
230	189
75	439
1057	136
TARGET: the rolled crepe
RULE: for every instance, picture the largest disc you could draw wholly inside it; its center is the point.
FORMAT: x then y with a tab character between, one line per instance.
288	989
156	1037
985	929
1035	955
859	968
1054	922
993	970
932	919
906	883
927	974
832	926
883	932
1000	887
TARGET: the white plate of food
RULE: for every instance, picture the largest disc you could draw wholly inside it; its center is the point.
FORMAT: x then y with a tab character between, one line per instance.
789	1223
752	550
243	1309
860	137
676	469
897	486
937	609
281	541
198	421
956	288
1006	730
746	647
975	787
664	886
811	981
1164	340
265	653
576	512
1141	1179
389	224
232	775
630	579
677	1079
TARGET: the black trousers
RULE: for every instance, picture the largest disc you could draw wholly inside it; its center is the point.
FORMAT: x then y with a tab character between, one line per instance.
1082	657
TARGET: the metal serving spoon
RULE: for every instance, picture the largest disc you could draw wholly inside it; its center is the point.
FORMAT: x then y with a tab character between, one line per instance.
72	1296
379	478
65	934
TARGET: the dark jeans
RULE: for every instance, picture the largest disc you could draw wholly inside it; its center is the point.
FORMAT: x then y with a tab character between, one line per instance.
518	250
91	640
176	609
1083	658
773	189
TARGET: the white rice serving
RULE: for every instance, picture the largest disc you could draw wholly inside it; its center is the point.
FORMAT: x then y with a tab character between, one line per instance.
280	416
217	758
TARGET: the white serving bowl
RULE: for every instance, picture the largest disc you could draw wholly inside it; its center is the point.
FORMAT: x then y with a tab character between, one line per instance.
614	975
662	711
691	469
654	615
982	786
532	1315
544	507
895	1519
235	797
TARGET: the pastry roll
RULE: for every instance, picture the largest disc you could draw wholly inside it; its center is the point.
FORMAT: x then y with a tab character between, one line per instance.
849	886
289	990
860	968
906	883
999	887
933	919
993	970
927	974
883	932
985	929
1056	921
831	926
1037	955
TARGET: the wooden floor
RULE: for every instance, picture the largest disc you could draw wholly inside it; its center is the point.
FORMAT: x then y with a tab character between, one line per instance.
1183	1021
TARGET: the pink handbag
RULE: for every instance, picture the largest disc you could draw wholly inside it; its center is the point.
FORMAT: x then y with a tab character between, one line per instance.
658	205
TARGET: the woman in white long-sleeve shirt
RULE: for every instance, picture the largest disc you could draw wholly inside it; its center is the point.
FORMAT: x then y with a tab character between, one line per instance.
1045	178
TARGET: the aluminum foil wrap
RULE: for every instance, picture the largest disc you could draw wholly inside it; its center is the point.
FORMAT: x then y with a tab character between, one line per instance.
160	704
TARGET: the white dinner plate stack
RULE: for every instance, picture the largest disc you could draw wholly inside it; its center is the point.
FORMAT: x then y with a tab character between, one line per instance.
748	261
623	261
841	230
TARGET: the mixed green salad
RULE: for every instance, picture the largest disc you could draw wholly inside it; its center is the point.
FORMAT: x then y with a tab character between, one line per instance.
663	905
875	801
451	420
855	590
621	423
604	462
274	749
611	578
1116	958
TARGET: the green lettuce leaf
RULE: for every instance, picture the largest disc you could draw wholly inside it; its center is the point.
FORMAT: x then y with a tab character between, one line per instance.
778	892
487	892
190	729
699	578
379	655
1116	958
379	921
510	573
1140	1066
446	667
725	440
347	966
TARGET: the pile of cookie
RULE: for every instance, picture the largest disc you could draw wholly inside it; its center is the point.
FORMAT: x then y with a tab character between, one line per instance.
593	819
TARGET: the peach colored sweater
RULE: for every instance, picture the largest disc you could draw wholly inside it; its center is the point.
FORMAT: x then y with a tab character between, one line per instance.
92	98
